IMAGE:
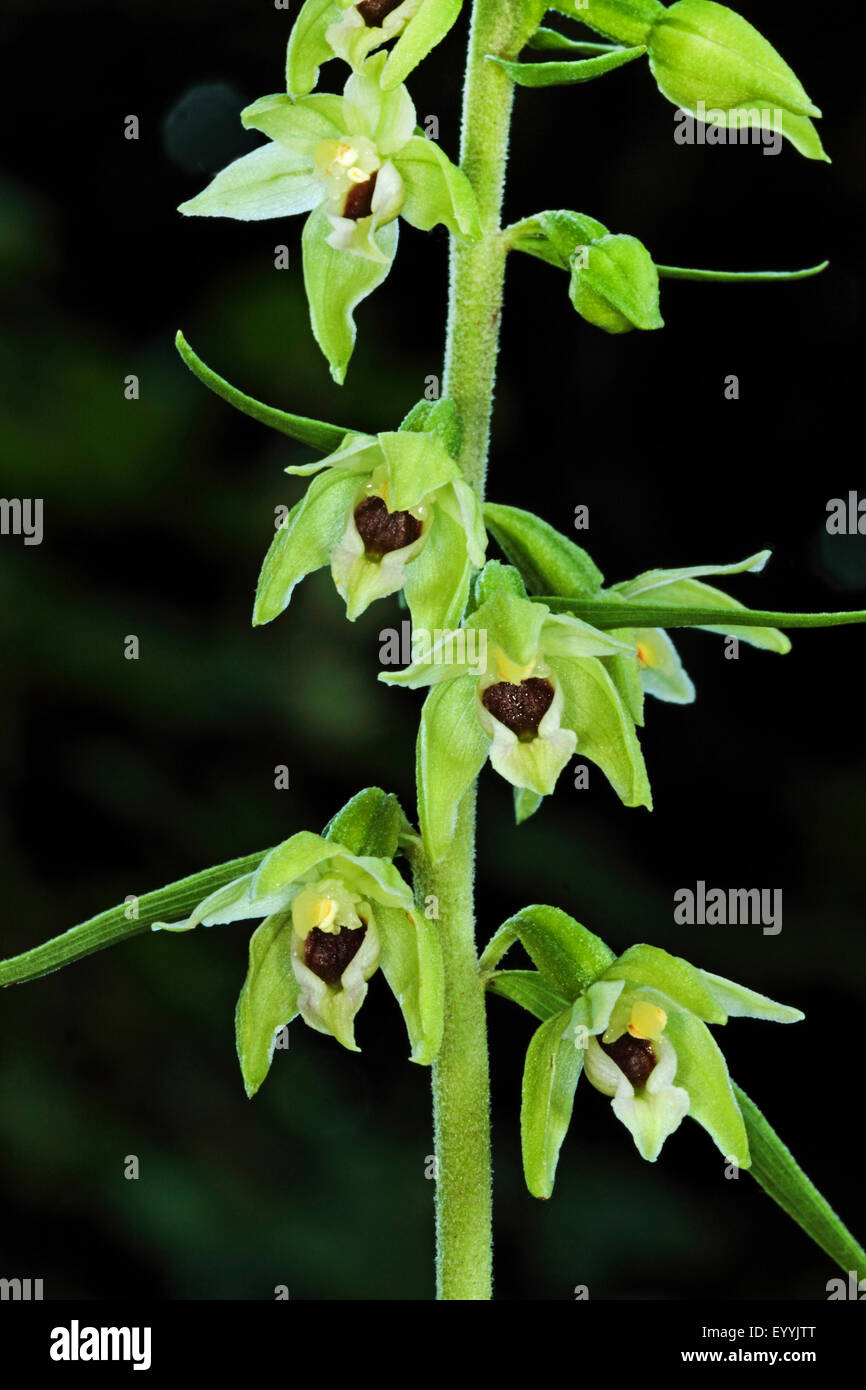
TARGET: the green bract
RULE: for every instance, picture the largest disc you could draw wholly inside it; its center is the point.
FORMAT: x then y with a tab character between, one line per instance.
354	163
331	919
387	512
525	688
343	29
636	1025
713	63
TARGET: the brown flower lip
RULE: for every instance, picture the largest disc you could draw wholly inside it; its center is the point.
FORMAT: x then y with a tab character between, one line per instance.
383	531
520	708
328	953
373	12
635	1057
359	199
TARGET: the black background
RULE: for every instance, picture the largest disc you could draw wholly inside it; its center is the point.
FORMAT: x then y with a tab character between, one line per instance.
120	776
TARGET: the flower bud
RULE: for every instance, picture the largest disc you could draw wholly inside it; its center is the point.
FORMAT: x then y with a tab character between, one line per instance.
715	65
615	285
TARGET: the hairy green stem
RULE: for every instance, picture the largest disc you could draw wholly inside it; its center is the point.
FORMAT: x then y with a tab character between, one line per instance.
461	1083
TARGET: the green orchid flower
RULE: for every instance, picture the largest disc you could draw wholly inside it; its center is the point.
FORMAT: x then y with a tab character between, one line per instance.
331	920
524	688
355	163
636	1024
345	29
387	512
660	670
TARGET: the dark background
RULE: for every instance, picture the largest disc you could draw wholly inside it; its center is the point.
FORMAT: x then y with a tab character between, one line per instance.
120	776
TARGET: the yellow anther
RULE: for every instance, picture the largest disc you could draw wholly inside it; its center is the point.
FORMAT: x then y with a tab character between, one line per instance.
358	176
509	671
323	913
647	1020
345	155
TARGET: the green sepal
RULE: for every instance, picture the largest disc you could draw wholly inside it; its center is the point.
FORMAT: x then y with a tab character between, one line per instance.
553	74
435	190
662	673
373	823
289	861
615	285
624	671
427	27
568	955
116	924
411	962
268	1000
739	1002
677	979
451	750
304	541
629	21
440	416
548	561
496	578
308	48
554	236
316	433
703	1072
550	1077
530	990
782	1178
604	727
336	283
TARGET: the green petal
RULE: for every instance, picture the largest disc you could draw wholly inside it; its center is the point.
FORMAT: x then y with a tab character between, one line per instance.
308	48
304	542
703	1072
336	283
672	976
437	580
298	125
386	118
373	877
624	670
355	453
661	672
605	731
739	1002
427	27
452	749
269	182
513	624
462	504
290	860
566	73
551	1074
436	191
412	965
562	635
417	464
268	1000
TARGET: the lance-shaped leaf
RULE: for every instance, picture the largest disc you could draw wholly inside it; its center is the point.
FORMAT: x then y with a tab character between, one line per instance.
548	561
337	282
372	823
550	1076
568	955
561	74
316	433
126	920
611	613
782	1178
268	1000
451	751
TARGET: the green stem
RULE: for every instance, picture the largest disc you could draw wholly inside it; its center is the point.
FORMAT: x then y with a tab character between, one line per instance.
461	1083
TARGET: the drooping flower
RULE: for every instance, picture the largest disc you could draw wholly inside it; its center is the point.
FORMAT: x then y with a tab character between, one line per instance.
354	163
526	692
353	29
386	512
